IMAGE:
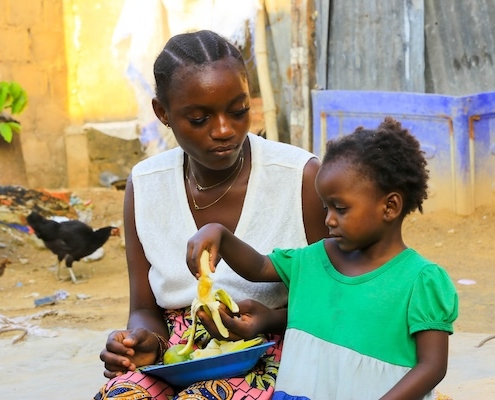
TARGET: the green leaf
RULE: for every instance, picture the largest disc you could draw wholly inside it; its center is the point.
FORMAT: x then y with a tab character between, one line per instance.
14	126
6	132
15	89
19	103
4	91
8	100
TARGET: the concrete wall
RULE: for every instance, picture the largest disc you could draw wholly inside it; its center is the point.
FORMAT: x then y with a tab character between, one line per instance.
60	52
32	53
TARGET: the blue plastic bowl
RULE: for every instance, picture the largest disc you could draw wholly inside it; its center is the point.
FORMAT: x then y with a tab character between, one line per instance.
216	367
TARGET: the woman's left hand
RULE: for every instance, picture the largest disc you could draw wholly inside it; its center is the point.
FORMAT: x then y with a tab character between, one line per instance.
252	320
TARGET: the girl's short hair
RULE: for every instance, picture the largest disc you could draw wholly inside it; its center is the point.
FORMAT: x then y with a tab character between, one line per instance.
390	156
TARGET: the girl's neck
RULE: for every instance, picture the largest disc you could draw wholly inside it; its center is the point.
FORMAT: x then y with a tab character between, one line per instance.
362	261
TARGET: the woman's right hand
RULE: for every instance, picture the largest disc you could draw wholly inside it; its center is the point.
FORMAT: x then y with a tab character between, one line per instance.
127	350
253	319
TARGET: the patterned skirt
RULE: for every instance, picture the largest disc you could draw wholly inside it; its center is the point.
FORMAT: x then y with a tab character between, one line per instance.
258	384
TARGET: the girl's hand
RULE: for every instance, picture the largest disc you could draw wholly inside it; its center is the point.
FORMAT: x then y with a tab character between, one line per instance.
127	350
207	238
252	320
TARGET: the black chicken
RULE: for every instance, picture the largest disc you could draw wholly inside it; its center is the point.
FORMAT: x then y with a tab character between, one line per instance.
69	240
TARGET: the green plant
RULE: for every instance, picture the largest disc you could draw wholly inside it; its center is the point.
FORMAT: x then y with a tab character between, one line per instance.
12	96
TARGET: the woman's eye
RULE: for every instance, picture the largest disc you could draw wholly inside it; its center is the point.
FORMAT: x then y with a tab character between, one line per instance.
240	113
198	121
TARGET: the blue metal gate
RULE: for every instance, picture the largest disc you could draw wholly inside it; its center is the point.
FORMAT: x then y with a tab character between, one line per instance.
456	133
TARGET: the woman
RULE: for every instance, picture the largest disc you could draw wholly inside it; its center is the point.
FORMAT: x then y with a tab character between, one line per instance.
261	190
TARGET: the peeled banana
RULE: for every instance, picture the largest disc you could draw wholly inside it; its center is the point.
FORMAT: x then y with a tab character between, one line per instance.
216	347
209	301
213	348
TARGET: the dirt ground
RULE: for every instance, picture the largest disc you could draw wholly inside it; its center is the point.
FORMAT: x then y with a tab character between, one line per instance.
463	245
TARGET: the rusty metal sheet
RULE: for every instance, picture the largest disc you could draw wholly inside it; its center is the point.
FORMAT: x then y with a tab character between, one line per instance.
460	46
375	45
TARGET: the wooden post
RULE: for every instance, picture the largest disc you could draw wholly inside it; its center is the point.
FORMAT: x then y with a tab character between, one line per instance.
302	75
260	50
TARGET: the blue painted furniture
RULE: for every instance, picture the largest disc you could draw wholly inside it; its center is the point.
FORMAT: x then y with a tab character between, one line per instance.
456	133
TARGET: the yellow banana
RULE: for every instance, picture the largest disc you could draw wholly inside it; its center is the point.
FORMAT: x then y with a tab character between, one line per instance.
208	301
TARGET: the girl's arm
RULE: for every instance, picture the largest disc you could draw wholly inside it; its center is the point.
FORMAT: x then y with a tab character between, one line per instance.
242	258
432	353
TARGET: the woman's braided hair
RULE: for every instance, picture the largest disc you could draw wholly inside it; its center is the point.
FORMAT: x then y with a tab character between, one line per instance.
390	156
191	49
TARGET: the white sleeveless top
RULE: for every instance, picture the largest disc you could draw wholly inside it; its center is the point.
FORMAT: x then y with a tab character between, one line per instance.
271	217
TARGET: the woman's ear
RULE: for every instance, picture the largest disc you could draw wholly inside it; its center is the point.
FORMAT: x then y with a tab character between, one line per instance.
160	111
393	206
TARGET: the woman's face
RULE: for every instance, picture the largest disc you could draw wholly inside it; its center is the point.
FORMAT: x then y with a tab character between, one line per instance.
209	112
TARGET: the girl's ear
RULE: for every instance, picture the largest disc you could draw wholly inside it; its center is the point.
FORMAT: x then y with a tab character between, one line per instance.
393	206
159	111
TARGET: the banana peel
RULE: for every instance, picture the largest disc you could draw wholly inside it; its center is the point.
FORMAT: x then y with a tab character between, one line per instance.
216	347
209	301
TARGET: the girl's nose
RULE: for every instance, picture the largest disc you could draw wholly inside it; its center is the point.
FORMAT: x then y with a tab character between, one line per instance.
330	221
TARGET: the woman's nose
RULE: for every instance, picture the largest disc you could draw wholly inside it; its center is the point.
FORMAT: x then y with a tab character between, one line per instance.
223	128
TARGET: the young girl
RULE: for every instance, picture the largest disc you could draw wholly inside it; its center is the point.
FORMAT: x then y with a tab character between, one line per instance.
369	318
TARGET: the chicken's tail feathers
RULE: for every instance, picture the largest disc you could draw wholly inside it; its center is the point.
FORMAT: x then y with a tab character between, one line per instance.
44	228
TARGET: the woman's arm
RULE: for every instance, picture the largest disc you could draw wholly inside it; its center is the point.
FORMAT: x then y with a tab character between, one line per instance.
313	212
432	353
138	345
143	311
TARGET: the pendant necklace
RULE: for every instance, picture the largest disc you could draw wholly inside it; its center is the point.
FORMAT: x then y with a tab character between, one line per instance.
240	164
203	188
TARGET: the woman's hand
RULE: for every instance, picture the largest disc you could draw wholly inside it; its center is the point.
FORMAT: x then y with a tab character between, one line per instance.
127	350
253	319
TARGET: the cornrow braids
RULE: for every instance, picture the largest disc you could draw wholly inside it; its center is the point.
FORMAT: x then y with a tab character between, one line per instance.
196	49
390	156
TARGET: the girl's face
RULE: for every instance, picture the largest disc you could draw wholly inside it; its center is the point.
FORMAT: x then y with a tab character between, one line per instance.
209	112
355	207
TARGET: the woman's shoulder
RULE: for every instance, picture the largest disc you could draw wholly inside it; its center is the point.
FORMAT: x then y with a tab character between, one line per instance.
270	151
168	159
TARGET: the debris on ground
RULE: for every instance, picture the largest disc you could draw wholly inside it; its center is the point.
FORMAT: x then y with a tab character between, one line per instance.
16	203
50	300
24	325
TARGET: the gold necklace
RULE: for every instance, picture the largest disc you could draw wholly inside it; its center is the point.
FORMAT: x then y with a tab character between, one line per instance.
196	207
203	188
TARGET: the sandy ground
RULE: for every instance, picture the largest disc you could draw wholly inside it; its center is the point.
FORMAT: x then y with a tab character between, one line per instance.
59	357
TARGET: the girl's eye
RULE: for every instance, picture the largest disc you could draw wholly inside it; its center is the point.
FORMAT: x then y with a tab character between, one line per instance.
340	210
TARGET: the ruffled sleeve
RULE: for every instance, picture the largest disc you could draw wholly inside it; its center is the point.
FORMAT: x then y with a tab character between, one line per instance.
282	260
434	303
